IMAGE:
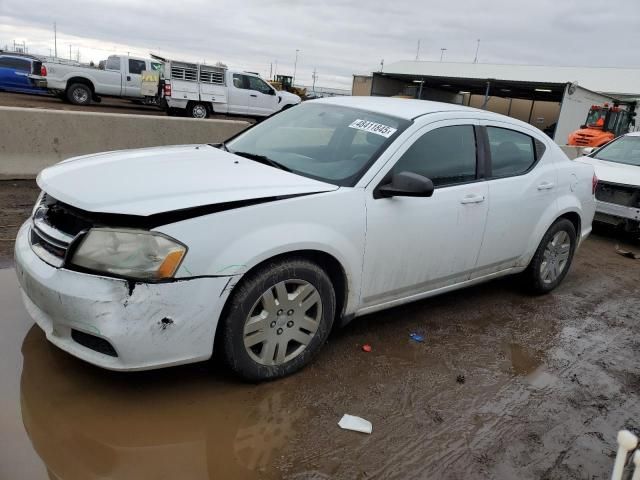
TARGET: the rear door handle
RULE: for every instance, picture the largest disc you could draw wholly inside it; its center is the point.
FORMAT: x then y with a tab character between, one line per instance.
545	186
472	199
253	95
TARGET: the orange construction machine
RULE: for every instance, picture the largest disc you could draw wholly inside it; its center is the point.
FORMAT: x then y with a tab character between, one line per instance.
604	123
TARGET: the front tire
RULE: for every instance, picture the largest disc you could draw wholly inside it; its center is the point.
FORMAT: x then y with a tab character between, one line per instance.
553	257
79	94
277	320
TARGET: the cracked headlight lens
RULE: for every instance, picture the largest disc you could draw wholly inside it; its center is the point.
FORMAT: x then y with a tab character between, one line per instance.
138	254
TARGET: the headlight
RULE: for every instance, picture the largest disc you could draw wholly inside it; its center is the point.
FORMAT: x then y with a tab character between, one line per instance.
129	253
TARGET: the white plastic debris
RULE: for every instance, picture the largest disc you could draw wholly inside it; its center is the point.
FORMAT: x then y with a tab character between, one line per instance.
627	441
357	424
636	463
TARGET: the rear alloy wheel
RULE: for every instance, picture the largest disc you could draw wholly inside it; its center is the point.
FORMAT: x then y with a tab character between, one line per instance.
198	110
278	319
79	94
553	257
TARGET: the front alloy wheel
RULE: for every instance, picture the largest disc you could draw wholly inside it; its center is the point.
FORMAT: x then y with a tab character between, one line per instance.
283	322
277	319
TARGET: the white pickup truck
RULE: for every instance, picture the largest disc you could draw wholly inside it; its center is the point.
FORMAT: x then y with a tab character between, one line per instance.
120	77
200	90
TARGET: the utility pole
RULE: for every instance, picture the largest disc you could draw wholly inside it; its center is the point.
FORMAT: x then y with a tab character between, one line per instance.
442	50
475	60
55	40
275	72
295	66
70	52
271	71
418	52
381	65
314	77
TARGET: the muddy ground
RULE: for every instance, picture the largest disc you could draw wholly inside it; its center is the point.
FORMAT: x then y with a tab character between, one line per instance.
16	202
505	386
107	105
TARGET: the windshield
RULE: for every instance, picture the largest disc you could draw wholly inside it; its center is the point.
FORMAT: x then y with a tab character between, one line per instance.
623	150
596	117
330	143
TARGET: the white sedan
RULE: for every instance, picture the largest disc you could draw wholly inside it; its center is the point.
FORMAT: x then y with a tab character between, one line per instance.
257	247
617	166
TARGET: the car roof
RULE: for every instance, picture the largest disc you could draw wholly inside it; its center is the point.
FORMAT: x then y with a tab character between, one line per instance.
398	107
20	56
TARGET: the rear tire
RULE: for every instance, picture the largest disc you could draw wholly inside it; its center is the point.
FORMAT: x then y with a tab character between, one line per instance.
553	258
79	94
198	110
277	319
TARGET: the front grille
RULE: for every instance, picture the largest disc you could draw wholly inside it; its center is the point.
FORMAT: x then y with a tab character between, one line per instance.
583	140
96	344
618	194
54	227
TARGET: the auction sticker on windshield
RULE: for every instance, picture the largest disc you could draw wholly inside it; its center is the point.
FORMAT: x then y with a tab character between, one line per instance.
373	127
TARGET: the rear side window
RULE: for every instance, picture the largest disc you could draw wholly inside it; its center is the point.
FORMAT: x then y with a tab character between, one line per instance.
445	155
136	66
512	153
113	63
16	63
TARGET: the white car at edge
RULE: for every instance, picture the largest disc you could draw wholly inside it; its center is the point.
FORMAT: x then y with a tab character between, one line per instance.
617	166
330	210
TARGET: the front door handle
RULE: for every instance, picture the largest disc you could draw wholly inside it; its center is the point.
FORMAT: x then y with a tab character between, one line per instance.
472	199
128	78
253	95
546	186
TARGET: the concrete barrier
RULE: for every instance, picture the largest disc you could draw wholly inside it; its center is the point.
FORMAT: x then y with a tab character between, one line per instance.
33	138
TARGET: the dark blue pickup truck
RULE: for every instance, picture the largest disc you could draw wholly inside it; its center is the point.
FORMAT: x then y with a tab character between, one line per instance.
22	73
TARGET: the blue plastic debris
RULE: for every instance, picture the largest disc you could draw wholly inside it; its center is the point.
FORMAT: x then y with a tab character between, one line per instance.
416	337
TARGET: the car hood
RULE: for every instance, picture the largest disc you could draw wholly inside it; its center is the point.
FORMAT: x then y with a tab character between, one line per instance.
148	181
613	172
289	97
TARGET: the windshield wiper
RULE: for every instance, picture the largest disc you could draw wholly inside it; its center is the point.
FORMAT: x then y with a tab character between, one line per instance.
262	159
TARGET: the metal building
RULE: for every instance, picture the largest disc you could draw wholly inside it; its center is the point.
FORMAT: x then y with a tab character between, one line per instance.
555	99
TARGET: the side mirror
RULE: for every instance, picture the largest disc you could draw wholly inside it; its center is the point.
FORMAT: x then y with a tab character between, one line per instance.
406	184
587	150
271	92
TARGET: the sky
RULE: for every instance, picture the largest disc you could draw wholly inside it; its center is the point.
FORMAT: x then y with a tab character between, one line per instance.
337	38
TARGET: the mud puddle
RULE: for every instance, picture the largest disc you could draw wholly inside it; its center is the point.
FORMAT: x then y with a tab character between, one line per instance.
548	381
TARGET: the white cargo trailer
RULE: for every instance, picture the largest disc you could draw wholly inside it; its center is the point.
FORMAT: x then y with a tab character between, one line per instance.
200	90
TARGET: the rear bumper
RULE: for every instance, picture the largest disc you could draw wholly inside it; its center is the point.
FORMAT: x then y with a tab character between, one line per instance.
39	83
148	326
620	211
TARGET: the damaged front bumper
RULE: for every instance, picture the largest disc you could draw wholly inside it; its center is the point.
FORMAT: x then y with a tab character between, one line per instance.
112	324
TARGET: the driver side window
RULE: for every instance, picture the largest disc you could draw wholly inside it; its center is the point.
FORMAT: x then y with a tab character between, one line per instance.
446	155
258	84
